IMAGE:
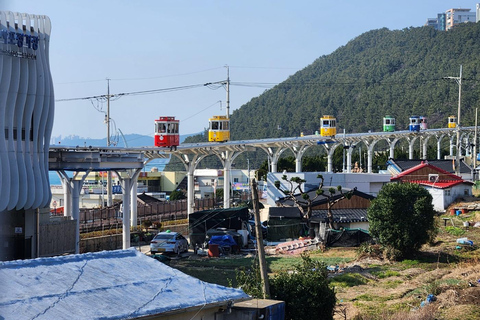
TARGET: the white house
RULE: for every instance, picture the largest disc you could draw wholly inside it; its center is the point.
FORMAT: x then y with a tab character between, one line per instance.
444	186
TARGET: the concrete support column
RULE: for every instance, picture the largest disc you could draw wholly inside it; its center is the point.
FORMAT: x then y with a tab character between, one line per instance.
349	159
410	150
424	147
392	151
369	160
452	145
133	202
76	189
67	197
190	188
226	179
298	163
127	185
329	162
439	150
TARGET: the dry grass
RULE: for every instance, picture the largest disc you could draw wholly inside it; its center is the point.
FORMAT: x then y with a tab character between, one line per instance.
395	290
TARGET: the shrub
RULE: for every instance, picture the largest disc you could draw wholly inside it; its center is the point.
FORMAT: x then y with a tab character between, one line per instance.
306	291
402	218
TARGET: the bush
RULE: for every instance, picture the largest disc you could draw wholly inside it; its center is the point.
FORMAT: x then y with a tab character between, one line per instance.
306	291
402	218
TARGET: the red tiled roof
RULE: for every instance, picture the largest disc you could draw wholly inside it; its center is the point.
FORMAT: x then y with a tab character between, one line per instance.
439	184
423	165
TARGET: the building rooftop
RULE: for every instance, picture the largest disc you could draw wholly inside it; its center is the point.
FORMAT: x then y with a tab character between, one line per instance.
120	284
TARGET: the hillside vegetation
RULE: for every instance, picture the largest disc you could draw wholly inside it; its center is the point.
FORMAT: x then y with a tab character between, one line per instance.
394	72
381	72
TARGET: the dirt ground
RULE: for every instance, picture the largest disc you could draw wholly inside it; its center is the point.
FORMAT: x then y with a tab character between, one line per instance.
399	290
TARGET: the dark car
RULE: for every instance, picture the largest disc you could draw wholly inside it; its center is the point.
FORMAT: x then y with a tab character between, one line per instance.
251	224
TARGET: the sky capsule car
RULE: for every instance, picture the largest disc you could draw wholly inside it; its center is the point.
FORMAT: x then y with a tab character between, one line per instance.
219	129
452	122
388	124
414	124
166	132
328	126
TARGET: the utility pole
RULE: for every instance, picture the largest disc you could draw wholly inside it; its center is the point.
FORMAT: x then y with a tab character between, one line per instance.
475	148
228	91
457	157
260	248
109	172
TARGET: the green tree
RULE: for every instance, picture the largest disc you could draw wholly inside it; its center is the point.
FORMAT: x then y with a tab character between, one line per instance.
177	195
305	291
402	217
219	194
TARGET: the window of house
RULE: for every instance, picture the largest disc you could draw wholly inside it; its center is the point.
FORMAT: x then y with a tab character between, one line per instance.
447	192
235	179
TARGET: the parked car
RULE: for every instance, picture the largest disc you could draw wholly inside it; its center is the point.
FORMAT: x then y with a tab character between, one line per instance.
168	242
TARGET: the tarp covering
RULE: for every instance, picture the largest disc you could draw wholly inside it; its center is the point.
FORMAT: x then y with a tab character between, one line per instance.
347	237
281	229
202	221
223	241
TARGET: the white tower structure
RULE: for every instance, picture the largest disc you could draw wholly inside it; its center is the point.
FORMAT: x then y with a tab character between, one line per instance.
26	121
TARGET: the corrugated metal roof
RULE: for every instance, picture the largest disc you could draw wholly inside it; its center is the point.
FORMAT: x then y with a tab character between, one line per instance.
341	215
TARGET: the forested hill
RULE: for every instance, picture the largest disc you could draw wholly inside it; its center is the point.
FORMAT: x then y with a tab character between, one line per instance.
381	72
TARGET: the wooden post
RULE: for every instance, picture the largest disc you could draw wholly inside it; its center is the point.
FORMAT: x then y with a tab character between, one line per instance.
259	236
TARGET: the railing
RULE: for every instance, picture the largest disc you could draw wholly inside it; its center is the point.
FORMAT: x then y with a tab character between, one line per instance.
108	218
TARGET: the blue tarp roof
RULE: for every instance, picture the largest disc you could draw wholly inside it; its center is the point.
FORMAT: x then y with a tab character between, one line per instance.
120	284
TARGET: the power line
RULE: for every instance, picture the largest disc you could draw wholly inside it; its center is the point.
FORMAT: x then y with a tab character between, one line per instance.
118	95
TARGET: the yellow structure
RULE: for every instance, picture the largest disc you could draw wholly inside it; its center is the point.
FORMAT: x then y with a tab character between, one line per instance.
328	126
452	122
219	129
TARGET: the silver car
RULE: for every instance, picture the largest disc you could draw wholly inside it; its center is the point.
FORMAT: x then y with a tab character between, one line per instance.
168	242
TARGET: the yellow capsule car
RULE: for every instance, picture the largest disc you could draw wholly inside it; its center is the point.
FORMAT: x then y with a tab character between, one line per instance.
328	126
219	129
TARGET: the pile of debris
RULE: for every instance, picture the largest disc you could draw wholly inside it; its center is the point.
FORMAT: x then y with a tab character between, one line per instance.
297	246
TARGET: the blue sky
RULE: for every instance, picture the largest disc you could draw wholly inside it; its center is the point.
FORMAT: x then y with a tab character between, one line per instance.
156	44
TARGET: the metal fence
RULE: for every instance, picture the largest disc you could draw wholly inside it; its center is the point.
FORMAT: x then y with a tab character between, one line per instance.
111	217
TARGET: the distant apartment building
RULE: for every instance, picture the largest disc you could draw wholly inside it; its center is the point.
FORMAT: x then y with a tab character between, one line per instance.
457	16
452	17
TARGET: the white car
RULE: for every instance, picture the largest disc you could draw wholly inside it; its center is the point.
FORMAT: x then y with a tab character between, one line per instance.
168	242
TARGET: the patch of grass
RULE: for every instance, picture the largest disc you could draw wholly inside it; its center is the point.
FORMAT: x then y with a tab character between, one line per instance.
366	297
410	263
392	284
455	231
348	280
386	274
223	277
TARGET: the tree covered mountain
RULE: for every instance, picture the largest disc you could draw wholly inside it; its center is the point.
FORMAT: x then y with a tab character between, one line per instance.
381	72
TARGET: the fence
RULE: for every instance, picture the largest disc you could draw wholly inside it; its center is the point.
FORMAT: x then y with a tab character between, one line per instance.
107	218
56	237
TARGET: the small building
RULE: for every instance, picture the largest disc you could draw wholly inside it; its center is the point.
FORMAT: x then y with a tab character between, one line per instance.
445	187
120	284
347	213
